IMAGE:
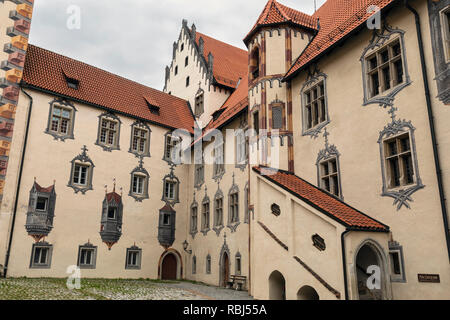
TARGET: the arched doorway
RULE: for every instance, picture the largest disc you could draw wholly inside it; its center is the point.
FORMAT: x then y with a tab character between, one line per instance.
277	286
225	270
170	265
307	293
370	264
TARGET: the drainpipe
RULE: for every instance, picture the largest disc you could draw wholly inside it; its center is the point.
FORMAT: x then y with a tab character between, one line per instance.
19	180
432	127
344	263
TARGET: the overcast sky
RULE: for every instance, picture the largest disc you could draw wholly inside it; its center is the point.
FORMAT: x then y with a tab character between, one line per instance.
133	38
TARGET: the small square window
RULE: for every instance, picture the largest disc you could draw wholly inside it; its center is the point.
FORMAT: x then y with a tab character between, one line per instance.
133	258
87	256
41	204
41	255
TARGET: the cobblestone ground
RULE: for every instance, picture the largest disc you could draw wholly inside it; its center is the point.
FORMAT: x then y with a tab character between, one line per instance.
102	289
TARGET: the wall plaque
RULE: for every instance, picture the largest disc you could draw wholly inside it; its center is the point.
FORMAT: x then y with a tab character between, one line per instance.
433	278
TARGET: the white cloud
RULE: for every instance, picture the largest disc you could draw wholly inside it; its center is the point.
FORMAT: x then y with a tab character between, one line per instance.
133	38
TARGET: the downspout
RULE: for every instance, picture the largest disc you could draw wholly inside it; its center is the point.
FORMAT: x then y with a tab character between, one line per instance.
19	180
344	263
432	127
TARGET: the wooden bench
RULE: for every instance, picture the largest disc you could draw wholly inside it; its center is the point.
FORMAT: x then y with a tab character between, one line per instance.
238	282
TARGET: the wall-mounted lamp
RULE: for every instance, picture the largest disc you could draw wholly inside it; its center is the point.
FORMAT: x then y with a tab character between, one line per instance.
185	247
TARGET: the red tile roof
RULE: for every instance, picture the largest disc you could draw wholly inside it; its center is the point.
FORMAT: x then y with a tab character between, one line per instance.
276	13
113	196
337	19
42	189
230	63
45	70
323	201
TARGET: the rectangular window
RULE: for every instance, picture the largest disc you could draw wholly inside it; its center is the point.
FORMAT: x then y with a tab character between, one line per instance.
199	99
41	204
315	109
396	262
187	82
205	216
61	119
111	213
171	144
140	137
199	174
194	219
219	212
277	117
385	68
445	25
238	265
166	219
186	61
41	254
108	132
241	147
219	166
208	265
256	121
80	174
234	207
169	190
87	257
399	162
133	258
329	176
138	184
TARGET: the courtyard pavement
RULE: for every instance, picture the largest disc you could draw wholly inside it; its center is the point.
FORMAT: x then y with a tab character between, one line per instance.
117	289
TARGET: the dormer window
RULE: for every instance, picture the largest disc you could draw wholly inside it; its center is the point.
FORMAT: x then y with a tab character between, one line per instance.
254	64
72	83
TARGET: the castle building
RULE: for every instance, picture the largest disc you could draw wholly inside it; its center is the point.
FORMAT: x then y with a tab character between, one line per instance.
315	163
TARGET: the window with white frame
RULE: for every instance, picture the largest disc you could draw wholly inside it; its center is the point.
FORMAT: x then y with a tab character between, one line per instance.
87	255
384	68
109	132
399	161
133	258
219	166
241	148
41	254
315	108
140	140
170	148
80	174
138	184
329	176
61	119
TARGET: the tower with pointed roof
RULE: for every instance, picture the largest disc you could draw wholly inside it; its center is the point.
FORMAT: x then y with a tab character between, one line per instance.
279	35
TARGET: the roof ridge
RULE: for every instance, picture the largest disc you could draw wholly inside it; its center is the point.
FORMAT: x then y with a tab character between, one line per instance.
103	70
226	43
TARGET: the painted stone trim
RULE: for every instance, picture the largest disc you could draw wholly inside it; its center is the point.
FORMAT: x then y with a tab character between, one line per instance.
141	125
329	152
82	158
223	250
441	62
65	104
110	116
138	260
172	177
234	189
87	245
395	246
218	225
207	201
273	236
313	78
140	170
378	40
193	221
402	195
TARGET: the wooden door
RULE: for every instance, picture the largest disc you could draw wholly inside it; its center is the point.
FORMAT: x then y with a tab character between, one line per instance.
169	267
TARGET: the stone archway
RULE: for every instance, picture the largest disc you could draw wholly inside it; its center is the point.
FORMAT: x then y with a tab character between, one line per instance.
277	286
371	285
170	265
307	293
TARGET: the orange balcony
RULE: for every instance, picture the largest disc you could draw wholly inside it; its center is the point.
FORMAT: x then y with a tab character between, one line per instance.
4	147
8	111
13	75
20	42
25	10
